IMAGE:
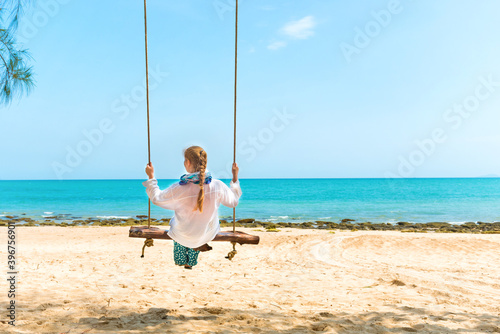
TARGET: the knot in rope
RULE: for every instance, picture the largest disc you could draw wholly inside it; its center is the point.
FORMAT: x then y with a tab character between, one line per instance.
232	253
147	243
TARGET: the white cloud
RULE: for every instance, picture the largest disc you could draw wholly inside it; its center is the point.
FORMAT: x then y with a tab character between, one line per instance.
276	45
301	29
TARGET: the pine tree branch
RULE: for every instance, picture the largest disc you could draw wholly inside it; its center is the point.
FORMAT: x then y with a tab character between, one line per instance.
16	77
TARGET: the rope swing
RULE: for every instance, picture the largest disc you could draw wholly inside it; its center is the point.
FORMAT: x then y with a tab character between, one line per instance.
235	86
147	98
151	233
148	242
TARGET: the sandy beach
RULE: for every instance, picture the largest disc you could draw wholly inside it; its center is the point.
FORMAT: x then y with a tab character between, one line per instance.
92	280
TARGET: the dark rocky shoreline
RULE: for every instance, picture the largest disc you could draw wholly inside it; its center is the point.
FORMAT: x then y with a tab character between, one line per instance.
344	224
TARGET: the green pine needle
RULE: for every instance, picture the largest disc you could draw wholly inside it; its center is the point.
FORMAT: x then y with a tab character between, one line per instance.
16	75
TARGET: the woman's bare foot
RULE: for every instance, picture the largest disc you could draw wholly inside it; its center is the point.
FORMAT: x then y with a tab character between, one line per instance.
188	267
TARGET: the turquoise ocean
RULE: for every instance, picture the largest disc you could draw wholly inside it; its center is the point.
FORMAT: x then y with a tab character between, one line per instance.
288	200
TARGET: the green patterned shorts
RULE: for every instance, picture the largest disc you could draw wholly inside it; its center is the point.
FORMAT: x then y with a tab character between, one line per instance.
184	255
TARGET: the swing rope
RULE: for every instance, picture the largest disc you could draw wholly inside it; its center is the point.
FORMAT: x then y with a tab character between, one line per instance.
147	100
149	242
235	84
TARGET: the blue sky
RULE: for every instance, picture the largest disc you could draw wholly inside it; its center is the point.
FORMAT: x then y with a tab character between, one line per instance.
326	89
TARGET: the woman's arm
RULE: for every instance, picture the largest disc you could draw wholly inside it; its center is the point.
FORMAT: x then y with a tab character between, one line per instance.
230	196
165	198
162	198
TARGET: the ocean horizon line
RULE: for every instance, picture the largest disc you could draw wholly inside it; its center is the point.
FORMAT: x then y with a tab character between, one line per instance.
280	178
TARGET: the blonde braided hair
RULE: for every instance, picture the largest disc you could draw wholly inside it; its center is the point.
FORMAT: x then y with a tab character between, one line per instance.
198	158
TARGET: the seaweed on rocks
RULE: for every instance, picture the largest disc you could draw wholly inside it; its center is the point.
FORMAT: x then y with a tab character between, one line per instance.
470	225
332	226
225	223
320	224
306	225
343	224
270	226
346	225
283	224
246	221
437	225
48	223
367	226
382	227
131	222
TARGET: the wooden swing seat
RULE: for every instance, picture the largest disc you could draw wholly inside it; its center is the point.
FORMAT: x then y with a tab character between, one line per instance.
158	233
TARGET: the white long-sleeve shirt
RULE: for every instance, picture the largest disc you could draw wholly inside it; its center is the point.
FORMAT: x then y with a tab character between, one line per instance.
189	227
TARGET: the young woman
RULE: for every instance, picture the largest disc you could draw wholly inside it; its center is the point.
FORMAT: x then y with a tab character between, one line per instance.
195	200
